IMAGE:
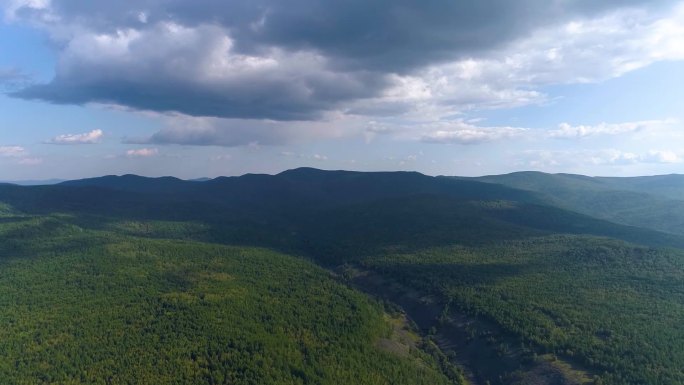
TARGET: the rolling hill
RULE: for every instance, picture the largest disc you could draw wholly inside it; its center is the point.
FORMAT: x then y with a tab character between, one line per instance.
83	306
655	202
517	279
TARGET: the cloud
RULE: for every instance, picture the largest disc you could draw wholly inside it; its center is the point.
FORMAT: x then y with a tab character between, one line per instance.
267	71
460	132
300	60
317	157
374	128
17	8
12	151
142	153
546	159
91	137
19	155
580	50
385	35
616	157
188	130
662	157
408	159
378	128
12	78
197	71
567	131
612	157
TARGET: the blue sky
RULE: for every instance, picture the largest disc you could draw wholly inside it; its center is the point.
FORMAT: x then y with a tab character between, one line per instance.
211	88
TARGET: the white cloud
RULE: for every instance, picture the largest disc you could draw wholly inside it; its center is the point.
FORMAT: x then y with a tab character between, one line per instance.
317	157
142	17
19	155
408	159
616	157
460	132
188	130
662	157
579	51
567	131
611	157
591	50
142	153
12	6
91	137
546	159
374	128
12	151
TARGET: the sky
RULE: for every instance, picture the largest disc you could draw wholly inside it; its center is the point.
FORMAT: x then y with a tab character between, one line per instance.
205	88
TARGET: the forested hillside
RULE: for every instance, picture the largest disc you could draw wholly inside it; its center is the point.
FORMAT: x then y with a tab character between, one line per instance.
655	202
91	307
609	306
215	281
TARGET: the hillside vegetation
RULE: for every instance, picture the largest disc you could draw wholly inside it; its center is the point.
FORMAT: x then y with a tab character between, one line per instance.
610	306
652	202
92	307
544	272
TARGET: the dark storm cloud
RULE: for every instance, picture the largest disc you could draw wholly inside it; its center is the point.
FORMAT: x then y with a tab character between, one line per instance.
232	132
328	53
275	99
218	136
194	71
391	35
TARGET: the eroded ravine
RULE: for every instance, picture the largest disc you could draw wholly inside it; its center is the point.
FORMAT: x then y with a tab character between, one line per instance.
484	353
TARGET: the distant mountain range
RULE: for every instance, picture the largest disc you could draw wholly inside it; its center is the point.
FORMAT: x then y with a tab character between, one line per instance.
655	202
295	205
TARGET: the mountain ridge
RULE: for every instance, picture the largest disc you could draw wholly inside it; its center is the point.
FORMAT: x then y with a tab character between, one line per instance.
313	201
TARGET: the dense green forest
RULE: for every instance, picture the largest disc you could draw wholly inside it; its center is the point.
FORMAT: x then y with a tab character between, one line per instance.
611	306
93	307
117	279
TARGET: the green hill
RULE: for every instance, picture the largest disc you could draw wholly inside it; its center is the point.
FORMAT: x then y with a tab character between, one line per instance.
668	186
651	202
89	307
610	308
